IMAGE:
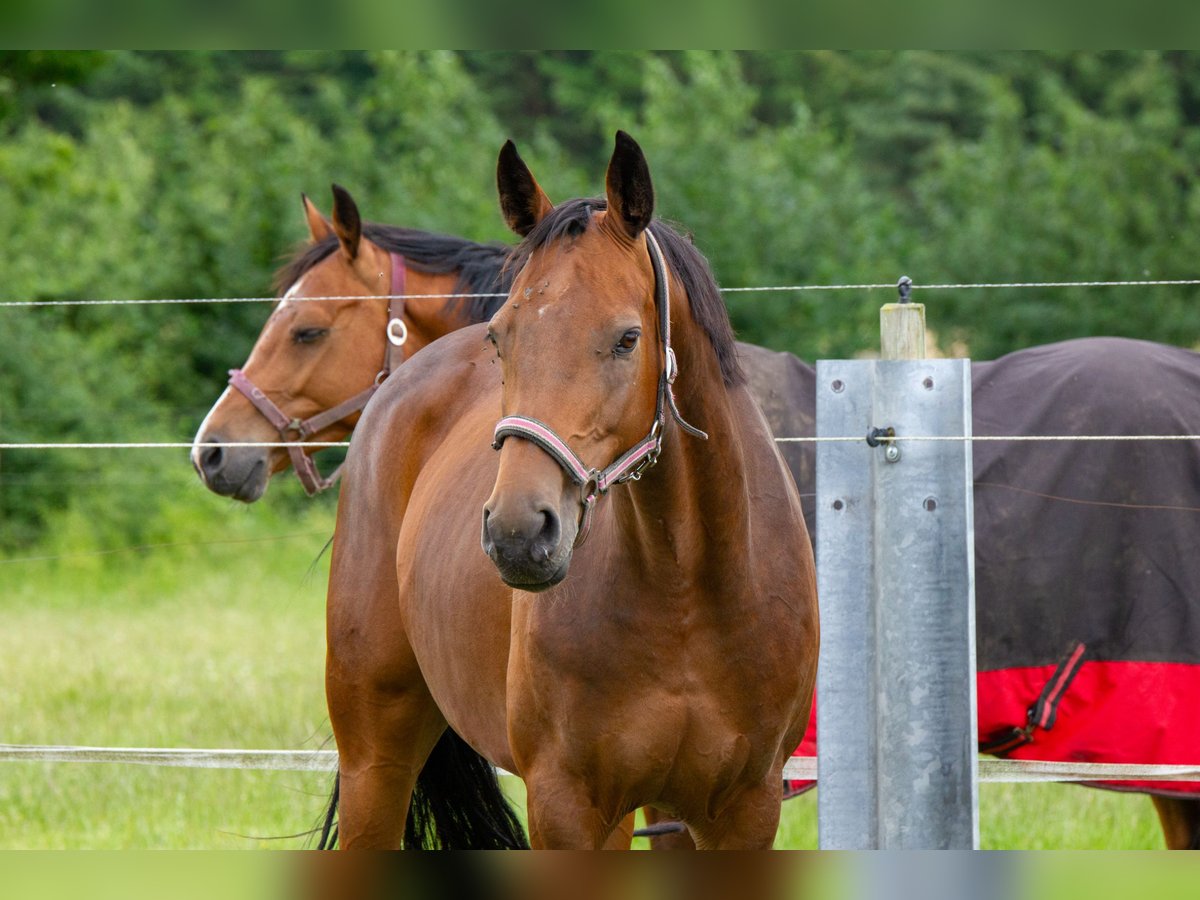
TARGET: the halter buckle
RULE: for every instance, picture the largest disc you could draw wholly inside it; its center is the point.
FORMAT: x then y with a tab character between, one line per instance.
636	474
397	339
649	459
672	368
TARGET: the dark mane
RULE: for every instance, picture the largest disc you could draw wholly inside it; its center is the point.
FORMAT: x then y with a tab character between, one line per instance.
480	267
690	266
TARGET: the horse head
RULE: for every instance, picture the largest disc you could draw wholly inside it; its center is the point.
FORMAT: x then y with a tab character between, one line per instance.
313	359
581	347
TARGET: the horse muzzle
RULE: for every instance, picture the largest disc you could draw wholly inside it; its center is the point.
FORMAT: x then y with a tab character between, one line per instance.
528	548
231	471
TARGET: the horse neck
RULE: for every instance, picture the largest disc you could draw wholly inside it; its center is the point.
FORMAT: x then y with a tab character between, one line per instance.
430	318
692	505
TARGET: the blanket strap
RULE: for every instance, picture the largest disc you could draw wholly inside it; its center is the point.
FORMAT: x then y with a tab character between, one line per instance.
1044	711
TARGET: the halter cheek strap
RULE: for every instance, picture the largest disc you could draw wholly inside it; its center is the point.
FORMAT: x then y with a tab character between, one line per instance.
629	466
304	465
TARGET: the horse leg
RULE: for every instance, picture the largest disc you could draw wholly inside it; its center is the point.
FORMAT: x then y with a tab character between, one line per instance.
747	821
619	837
1180	819
384	720
564	816
622	835
384	736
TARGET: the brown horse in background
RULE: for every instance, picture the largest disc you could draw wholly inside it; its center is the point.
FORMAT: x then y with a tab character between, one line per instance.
317	362
673	664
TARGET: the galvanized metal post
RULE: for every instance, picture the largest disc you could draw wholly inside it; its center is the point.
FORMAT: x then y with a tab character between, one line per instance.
895	563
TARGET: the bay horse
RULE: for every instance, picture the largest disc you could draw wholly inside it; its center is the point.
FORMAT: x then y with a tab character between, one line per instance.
669	659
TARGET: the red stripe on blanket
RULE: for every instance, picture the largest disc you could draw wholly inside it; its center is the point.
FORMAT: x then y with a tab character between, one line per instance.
1111	712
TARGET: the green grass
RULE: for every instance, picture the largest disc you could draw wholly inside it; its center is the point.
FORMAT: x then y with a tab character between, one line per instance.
219	645
222	645
1026	817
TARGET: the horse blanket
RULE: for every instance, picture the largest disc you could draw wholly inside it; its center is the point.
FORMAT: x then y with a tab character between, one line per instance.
1087	563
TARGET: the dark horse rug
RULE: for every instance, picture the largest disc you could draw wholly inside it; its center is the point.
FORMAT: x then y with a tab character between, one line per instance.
1087	563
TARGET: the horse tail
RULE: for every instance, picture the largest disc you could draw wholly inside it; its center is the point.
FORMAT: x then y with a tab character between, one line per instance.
329	832
457	803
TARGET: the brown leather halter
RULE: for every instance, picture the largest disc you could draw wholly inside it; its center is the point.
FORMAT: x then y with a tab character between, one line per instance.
306	469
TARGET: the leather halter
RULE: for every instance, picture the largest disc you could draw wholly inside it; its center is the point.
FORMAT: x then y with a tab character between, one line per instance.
306	468
630	465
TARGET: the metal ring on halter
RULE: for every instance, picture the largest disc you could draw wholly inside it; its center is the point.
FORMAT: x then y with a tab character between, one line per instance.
397	340
590	489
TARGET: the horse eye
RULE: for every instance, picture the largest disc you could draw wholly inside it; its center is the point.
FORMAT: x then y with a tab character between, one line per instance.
628	341
308	335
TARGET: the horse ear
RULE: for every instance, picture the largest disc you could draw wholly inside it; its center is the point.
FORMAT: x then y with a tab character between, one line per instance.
522	199
346	222
630	191
318	226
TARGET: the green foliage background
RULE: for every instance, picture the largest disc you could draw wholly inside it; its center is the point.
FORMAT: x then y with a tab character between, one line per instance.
139	174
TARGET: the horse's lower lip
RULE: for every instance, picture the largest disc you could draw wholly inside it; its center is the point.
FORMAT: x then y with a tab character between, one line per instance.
253	486
249	496
515	581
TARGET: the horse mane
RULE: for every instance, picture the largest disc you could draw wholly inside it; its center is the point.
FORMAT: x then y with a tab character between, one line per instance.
704	296
480	267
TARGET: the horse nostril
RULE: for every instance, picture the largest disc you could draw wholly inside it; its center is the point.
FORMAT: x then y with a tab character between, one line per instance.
212	459
487	540
548	537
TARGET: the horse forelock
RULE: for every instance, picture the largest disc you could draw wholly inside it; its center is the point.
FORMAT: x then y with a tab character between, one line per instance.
307	256
480	267
571	218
